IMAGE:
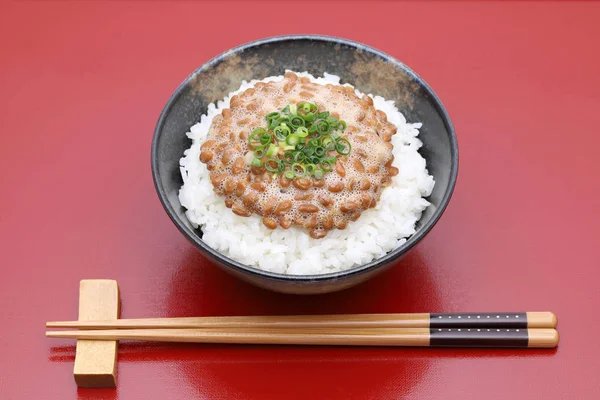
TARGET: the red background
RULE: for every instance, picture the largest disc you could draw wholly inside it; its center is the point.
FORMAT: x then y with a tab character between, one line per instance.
82	86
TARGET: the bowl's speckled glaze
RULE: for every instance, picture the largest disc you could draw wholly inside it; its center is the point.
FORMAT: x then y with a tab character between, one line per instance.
369	70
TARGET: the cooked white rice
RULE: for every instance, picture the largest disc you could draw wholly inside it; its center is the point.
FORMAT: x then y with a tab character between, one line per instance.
292	251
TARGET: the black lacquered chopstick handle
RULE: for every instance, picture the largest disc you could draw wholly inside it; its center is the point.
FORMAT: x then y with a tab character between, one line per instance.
475	337
474	320
493	337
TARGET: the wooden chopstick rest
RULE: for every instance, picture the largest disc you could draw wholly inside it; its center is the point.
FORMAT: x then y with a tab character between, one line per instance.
96	361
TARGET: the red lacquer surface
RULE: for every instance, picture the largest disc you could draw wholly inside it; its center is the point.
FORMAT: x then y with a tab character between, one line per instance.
82	85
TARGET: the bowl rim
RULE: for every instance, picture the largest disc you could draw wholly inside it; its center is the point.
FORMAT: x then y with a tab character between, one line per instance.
236	265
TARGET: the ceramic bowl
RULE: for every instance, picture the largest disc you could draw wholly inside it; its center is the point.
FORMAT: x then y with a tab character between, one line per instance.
370	71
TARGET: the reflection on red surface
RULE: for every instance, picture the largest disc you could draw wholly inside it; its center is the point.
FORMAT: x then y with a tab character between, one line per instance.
246	370
398	283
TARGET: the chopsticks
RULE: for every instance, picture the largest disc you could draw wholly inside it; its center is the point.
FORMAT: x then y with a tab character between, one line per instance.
521	338
521	330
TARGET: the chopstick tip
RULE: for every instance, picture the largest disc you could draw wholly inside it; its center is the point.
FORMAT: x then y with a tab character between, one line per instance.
545	319
553	319
543	338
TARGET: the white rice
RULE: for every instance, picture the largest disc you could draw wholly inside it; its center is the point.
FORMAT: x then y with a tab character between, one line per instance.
292	251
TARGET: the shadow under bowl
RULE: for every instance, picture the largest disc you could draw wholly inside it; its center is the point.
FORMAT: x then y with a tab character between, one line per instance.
369	70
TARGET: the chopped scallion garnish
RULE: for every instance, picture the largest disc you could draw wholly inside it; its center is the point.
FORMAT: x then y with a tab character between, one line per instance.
302	131
299	169
272	150
297	141
274	165
292	140
343	146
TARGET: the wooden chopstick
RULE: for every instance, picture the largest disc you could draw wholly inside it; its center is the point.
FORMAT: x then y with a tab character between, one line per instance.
427	337
521	320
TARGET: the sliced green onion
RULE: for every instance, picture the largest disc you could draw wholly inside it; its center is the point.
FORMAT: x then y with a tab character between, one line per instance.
259	131
311	126
307	117
299	169
274	123
307	111
296	122
308	151
343	146
310	169
308	107
293	109
288	157
332	160
323	127
285	148
289	174
281	132
305	107
284	119
302	131
292	140
314	142
256	163
326	166
272	150
341	125
273	165
299	157
324	115
273	115
259	153
319	151
328	143
318	173
254	138
265	138
315	160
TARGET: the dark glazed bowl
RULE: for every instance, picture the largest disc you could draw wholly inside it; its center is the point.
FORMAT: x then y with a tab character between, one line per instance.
369	70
